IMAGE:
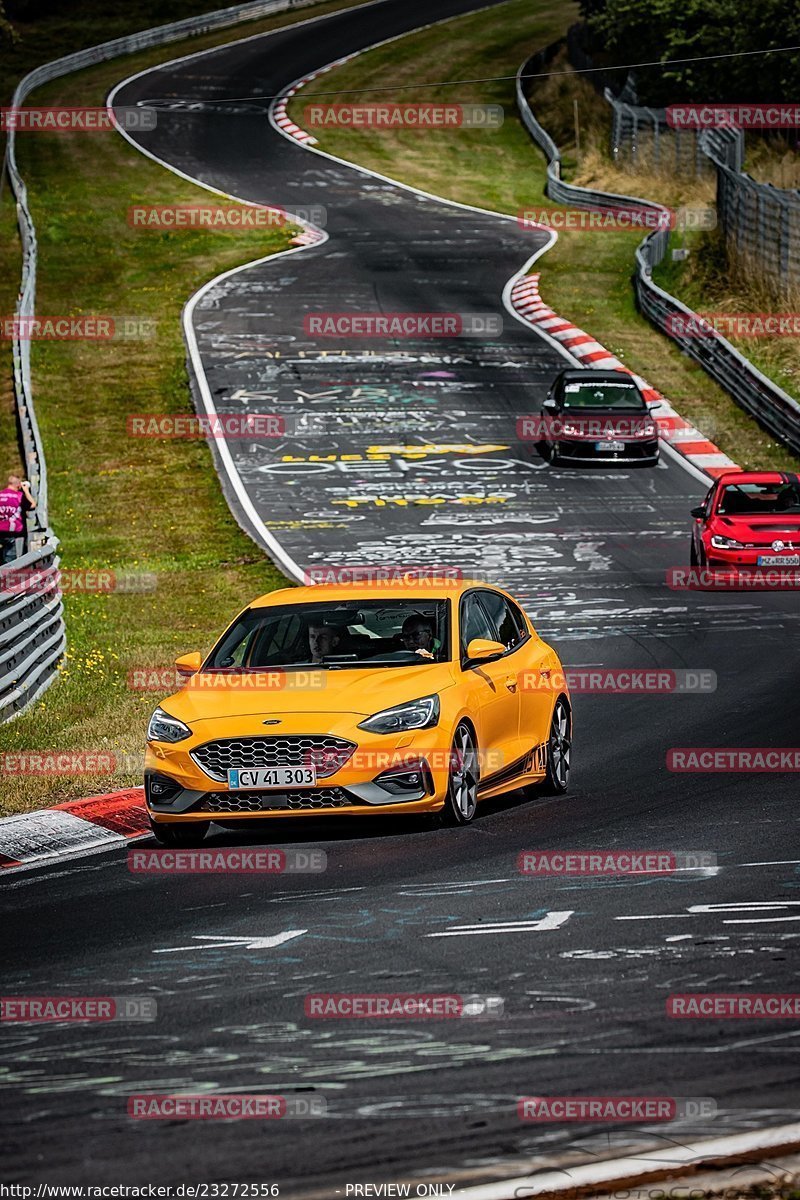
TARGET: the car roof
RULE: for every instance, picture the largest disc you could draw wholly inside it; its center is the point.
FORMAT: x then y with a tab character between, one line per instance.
434	589
596	375
731	477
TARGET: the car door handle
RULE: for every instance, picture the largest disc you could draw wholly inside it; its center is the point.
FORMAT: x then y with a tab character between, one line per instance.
511	683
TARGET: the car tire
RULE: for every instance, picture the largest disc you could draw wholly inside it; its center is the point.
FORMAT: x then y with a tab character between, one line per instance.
190	834
461	802
559	750
693	559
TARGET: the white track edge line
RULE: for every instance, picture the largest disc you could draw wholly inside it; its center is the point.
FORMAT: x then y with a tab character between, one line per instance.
596	1174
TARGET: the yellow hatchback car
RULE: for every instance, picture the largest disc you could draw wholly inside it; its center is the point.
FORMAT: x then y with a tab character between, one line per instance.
416	697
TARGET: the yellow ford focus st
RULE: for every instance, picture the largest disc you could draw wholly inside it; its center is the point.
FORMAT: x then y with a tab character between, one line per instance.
415	697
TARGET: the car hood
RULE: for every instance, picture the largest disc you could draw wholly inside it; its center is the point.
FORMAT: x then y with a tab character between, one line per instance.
769	525
361	691
601	421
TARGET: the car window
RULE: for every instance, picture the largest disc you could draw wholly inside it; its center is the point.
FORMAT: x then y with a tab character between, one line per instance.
474	622
622	395
759	499
275	638
519	618
336	633
505	621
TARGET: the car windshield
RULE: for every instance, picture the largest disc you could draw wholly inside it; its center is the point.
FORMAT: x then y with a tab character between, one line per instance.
760	499
622	396
335	634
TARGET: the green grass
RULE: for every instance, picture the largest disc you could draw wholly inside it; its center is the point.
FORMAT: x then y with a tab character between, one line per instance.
585	277
707	282
117	502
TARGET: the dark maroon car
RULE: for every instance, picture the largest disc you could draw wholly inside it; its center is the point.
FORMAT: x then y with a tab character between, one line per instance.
598	416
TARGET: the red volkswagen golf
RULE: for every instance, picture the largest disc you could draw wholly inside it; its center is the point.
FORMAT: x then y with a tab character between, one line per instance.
749	519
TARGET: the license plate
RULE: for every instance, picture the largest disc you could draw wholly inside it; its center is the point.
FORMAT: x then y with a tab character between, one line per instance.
241	778
779	560
613	446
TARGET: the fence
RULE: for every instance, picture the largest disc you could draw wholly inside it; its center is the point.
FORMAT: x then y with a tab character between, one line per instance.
32	636
759	396
760	222
642	138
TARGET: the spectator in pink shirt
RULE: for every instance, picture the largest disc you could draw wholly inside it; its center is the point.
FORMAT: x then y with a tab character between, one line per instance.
16	500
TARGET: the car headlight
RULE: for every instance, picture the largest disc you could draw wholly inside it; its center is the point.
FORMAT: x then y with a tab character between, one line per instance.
571	430
725	543
650	430
164	728
417	714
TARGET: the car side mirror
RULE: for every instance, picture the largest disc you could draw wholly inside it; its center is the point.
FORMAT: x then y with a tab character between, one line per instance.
699	512
483	650
550	404
189	664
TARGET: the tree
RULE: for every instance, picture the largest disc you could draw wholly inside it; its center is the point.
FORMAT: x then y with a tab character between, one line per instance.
8	34
659	30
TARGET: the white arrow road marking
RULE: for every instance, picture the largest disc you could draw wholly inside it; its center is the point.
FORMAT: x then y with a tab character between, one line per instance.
726	910
762	920
551	921
225	941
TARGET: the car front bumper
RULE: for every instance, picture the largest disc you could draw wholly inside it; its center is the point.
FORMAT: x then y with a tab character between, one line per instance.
747	559
585	451
177	789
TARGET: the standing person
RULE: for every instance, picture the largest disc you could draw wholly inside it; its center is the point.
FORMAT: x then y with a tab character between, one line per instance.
16	500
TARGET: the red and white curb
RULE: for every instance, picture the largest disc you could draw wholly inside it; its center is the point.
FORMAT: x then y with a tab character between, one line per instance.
279	111
681	434
309	237
289	126
78	825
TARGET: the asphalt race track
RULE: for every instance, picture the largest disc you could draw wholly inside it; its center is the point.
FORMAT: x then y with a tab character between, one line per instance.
402	907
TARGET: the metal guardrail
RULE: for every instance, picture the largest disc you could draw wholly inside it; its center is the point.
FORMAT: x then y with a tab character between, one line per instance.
32	634
770	405
557	189
759	396
32	637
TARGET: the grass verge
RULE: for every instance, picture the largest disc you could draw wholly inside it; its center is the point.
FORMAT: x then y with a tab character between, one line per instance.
708	280
586	276
126	504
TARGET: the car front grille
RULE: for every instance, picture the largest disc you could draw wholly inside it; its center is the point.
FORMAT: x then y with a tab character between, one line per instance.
325	753
227	802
